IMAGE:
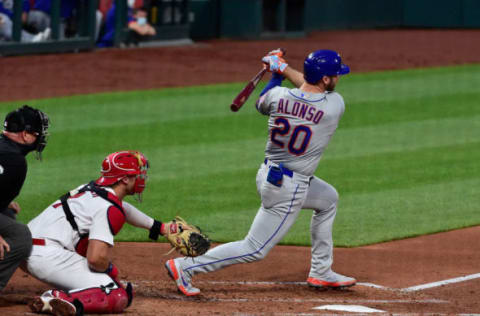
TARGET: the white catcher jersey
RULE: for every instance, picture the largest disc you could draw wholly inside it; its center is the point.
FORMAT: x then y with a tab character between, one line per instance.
91	216
300	126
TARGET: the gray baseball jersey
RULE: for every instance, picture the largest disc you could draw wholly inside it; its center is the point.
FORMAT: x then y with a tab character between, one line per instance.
300	126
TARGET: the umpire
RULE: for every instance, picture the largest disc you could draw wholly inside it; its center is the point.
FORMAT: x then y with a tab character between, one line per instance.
25	130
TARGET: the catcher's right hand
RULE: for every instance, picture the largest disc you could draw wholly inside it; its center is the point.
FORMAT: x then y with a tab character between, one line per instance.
186	238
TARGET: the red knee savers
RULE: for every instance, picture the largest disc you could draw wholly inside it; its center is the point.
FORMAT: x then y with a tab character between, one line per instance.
103	300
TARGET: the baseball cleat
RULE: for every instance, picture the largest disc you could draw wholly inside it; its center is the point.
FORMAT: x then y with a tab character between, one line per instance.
37	305
53	306
182	281
332	280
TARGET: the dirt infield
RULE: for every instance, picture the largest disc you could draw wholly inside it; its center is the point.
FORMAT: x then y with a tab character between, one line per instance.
418	275
275	286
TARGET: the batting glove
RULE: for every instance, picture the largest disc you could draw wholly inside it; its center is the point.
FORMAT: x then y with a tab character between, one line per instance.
275	63
278	52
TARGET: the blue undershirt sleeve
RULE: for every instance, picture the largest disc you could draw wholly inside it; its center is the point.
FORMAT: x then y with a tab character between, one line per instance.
274	82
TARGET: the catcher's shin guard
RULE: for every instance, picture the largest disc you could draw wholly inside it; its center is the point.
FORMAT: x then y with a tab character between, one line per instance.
104	300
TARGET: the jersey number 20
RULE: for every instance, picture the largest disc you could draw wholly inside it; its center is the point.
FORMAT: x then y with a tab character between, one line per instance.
299	139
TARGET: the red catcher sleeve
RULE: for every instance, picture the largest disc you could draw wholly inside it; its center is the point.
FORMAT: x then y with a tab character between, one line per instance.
82	246
116	219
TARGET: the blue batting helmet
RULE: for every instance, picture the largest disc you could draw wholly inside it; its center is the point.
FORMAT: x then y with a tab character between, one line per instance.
321	63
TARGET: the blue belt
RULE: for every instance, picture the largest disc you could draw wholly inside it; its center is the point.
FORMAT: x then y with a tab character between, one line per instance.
284	169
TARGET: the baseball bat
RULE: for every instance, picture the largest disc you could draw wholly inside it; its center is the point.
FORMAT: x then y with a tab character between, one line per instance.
242	97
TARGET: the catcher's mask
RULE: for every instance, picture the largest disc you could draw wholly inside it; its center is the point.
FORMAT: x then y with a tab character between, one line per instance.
32	121
120	164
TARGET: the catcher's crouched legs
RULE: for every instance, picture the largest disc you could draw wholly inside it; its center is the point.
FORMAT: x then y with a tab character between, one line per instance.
98	292
104	300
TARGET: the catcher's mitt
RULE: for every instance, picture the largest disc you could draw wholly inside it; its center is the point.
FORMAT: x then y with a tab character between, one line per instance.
186	238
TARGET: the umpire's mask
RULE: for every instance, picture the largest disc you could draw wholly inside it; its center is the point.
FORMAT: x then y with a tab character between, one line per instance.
32	121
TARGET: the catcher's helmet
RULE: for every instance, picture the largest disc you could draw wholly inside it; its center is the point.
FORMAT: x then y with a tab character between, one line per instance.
321	63
121	164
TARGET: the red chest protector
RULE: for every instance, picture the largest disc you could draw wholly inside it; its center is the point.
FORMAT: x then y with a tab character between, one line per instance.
115	213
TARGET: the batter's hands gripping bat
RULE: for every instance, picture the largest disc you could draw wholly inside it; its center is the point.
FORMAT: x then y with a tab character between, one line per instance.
242	97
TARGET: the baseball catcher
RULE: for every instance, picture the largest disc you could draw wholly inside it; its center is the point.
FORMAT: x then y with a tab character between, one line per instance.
74	236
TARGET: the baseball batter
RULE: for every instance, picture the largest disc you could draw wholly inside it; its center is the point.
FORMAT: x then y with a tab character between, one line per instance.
73	237
301	124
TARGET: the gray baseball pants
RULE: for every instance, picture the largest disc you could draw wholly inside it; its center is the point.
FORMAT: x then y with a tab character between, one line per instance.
19	238
278	212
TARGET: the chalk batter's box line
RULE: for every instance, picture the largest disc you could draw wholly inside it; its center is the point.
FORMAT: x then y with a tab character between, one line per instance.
372	285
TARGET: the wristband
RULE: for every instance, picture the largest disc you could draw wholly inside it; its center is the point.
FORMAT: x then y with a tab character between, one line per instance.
109	269
155	230
112	271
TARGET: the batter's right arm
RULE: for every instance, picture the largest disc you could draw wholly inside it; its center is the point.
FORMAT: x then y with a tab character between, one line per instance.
295	76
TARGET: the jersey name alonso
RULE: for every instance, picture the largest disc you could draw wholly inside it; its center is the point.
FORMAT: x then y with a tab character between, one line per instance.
300	126
95	217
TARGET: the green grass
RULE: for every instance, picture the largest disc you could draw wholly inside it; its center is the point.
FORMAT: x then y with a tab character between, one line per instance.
405	158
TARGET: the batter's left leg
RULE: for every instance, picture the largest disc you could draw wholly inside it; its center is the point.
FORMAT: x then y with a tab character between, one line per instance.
323	199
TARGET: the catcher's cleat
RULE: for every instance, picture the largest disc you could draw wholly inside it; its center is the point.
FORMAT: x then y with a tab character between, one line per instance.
55	306
332	280
182	281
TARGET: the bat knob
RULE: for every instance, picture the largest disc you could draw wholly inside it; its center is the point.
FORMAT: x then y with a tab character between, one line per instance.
234	107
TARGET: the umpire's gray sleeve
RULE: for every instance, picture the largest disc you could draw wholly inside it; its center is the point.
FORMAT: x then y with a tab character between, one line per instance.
19	238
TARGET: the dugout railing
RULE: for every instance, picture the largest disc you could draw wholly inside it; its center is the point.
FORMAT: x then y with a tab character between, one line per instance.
169	17
83	40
